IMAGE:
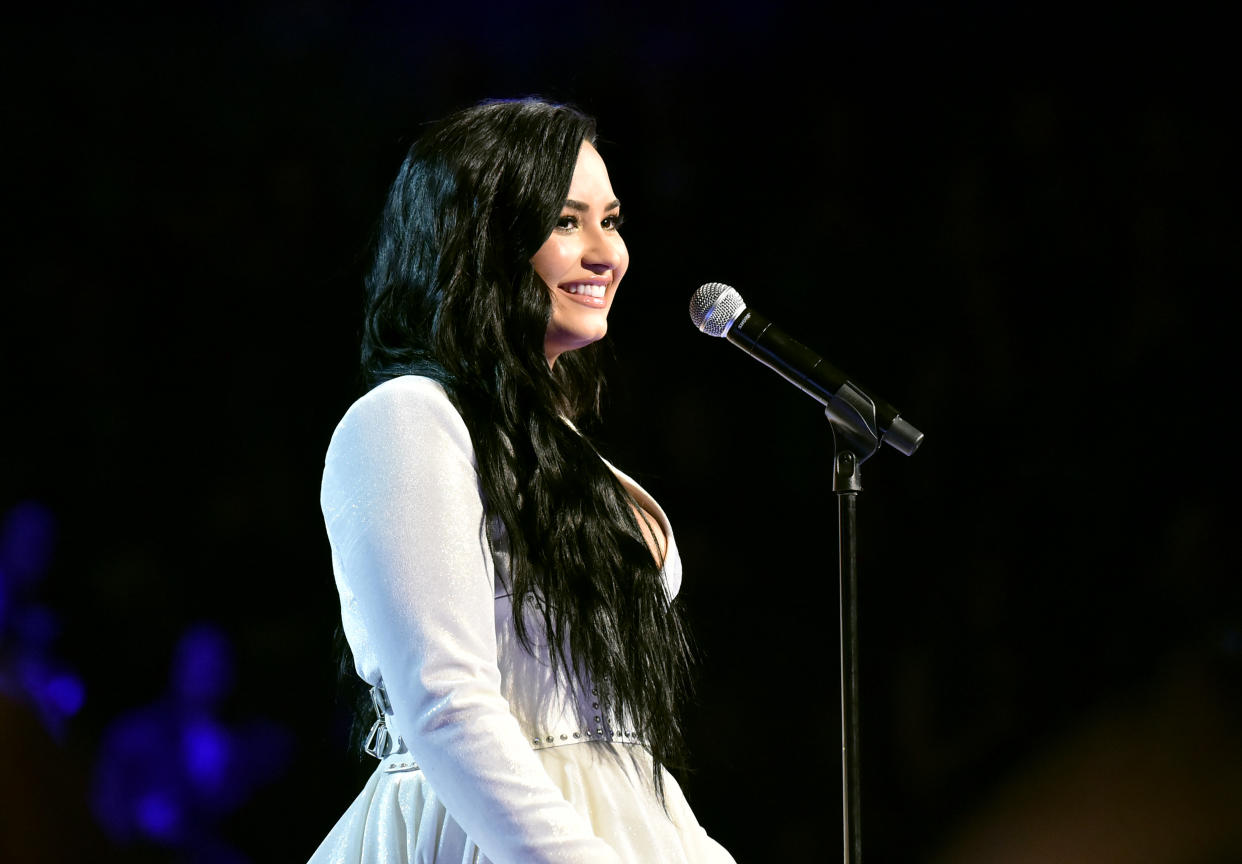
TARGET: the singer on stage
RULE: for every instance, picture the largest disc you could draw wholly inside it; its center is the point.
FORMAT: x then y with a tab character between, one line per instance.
505	591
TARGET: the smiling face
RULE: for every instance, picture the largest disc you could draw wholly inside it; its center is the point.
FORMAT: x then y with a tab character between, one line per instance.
583	260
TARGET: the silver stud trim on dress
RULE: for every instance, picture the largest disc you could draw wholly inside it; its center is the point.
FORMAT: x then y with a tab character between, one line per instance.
562	739
391	751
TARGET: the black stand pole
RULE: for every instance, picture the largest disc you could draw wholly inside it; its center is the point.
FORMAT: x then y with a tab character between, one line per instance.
851	415
847	484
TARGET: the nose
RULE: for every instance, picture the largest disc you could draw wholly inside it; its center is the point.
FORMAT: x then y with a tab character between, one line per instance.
601	253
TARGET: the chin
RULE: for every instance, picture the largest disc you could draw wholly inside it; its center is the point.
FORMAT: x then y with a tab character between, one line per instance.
563	343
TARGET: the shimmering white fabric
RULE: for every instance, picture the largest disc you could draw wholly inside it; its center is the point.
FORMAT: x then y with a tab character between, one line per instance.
425	609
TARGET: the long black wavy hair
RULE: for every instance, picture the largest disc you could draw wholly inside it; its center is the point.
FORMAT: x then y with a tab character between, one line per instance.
452	295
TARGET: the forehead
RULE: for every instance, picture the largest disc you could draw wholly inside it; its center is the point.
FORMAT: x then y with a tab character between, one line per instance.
590	181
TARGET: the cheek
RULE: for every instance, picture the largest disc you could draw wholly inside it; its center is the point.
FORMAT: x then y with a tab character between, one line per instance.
552	261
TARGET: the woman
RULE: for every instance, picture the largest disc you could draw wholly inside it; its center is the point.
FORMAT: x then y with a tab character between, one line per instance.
505	591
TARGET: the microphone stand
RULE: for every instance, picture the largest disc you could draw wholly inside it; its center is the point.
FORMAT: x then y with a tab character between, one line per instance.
852	417
718	310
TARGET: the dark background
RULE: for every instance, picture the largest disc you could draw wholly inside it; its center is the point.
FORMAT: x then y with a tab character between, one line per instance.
1019	226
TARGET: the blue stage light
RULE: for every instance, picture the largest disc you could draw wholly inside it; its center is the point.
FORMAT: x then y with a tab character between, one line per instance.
207	750
158	816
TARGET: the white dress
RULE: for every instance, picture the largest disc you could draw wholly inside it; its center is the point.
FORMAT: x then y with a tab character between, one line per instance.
491	760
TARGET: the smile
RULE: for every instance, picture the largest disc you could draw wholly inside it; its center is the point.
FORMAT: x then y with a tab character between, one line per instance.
585	293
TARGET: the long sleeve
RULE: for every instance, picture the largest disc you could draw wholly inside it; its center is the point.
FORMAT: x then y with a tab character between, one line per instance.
404	515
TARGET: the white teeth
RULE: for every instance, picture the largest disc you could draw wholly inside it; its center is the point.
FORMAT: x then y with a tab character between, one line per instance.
596	291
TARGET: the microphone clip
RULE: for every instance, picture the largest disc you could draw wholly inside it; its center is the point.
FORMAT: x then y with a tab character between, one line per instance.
852	416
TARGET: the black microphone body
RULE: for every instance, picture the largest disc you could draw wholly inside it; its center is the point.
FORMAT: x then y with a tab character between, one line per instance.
796	363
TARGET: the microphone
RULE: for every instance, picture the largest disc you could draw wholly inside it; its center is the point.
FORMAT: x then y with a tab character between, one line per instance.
718	310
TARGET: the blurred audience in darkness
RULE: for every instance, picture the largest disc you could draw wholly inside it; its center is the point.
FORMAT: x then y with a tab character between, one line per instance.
42	787
1151	776
168	773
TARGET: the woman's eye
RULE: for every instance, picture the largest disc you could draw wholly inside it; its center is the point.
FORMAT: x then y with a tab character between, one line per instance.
613	222
567	222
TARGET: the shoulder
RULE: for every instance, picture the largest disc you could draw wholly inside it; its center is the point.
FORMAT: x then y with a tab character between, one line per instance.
407	411
405	392
402	401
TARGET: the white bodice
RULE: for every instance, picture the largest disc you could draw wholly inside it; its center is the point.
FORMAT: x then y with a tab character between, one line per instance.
425	609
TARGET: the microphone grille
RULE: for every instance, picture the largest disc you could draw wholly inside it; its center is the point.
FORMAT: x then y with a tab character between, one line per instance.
714	308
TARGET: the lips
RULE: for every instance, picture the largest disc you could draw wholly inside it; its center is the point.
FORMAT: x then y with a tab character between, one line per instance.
586	293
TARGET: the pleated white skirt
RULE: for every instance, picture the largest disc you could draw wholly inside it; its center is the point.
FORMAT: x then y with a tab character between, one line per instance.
399	819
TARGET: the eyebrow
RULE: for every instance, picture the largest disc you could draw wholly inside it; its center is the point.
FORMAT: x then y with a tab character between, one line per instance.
582	208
